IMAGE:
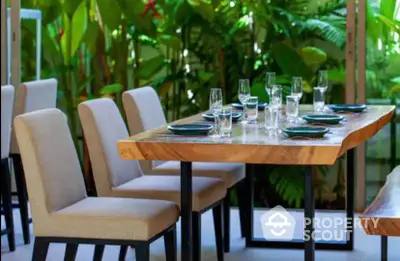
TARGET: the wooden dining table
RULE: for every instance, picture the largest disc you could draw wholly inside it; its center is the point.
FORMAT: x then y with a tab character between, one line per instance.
251	144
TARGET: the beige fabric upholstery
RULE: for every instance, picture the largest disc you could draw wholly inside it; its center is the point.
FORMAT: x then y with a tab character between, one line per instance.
103	126
144	112
230	173
32	96
115	218
7	101
206	191
59	204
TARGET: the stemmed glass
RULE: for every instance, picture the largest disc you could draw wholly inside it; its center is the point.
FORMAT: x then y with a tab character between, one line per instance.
297	87
244	93
215	106
323	82
269	83
296	93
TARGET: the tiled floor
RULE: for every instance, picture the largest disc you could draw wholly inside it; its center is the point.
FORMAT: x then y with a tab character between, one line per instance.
367	248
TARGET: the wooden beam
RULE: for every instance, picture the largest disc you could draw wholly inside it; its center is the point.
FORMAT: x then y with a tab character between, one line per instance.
15	43
361	98
350	51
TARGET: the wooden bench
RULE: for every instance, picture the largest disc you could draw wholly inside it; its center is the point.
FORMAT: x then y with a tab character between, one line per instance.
385	211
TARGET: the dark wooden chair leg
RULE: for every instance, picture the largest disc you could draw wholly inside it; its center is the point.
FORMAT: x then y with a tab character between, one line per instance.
98	252
22	194
142	252
40	249
70	252
384	248
122	253
241	193
227	221
171	245
5	184
196	230
218	227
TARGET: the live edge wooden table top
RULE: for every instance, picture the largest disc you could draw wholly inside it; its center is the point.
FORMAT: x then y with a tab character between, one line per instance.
249	143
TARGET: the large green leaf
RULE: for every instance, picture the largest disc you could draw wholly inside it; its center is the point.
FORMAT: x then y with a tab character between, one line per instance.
290	61
70	6
79	21
149	68
91	35
205	76
171	41
313	56
110	13
389	23
395	89
206	10
74	31
111	89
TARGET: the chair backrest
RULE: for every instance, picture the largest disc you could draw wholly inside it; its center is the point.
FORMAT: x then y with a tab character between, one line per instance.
7	101
103	126
144	112
52	170
32	96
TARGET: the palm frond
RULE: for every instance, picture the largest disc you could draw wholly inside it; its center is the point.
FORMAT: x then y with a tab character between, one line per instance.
326	30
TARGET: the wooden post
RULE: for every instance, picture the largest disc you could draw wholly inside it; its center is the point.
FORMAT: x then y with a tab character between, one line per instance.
361	98
15	44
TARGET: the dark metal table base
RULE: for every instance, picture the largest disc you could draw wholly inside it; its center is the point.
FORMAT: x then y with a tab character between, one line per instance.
309	213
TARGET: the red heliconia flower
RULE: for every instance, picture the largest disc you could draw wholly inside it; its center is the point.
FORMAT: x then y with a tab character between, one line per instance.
151	5
60	34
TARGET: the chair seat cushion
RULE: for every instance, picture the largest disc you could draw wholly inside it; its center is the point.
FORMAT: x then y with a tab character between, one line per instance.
111	218
230	173
206	191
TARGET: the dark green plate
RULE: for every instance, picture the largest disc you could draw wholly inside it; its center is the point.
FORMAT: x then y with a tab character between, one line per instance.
239	106
348	107
323	118
190	129
210	117
306	132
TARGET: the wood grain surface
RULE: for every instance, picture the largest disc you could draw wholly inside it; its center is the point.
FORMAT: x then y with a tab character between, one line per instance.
385	209
250	143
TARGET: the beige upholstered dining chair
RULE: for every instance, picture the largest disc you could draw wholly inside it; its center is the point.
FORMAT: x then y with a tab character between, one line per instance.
62	211
144	112
103	127
7	101
30	96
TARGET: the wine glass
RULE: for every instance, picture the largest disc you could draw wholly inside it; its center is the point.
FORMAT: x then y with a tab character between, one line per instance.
323	80
297	87
215	105
244	95
244	91
323	83
269	82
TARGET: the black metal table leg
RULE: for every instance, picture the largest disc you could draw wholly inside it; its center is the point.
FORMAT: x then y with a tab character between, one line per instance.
350	199
384	248
249	191
341	245
186	211
309	214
